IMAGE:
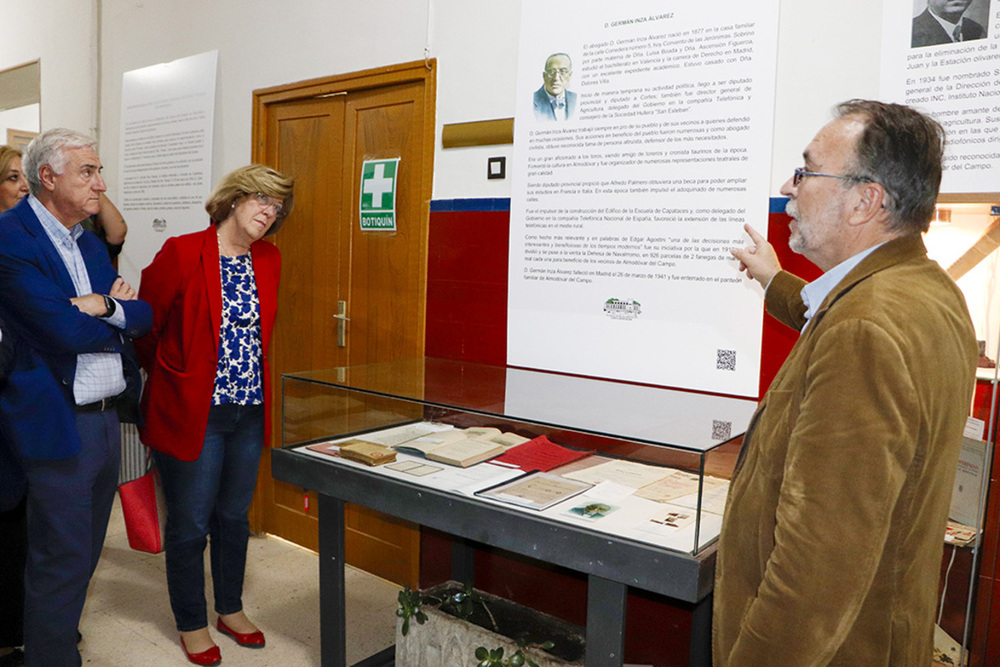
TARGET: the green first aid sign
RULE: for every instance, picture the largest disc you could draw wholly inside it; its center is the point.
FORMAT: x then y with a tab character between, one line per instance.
378	194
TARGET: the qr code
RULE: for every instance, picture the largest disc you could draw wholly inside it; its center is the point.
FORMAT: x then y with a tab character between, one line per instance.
725	360
721	430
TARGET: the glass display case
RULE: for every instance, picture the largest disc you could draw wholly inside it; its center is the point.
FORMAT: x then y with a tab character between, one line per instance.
639	463
621	483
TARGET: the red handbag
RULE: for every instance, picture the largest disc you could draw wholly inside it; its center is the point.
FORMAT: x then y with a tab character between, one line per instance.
145	512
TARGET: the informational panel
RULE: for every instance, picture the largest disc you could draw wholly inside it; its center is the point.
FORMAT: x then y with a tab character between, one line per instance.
943	57
642	146
166	154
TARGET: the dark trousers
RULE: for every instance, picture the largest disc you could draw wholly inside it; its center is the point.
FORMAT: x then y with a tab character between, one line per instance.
13	552
69	502
209	498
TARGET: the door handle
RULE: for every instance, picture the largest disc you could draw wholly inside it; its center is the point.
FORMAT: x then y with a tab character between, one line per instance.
342	320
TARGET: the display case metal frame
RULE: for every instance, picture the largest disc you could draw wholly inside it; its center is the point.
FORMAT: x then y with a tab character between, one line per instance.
610	563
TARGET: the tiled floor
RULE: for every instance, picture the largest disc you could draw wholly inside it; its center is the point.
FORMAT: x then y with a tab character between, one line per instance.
127	619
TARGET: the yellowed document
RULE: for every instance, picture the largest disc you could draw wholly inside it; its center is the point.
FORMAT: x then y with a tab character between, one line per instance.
627	473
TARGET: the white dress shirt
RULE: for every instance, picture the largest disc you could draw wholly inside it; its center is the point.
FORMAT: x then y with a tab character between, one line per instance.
98	374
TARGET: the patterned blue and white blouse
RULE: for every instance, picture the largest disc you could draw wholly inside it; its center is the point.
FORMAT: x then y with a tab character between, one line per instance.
238	375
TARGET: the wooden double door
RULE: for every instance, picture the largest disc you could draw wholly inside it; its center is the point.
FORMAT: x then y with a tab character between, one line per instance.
320	132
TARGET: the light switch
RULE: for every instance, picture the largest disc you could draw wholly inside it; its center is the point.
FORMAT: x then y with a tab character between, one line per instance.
496	167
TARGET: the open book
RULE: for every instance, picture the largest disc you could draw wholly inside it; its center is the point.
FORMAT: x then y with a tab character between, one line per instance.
461	447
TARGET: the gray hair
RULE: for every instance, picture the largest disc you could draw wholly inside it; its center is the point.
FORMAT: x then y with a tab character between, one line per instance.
902	150
49	148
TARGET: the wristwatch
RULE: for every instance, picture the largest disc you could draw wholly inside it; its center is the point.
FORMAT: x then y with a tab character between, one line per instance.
110	305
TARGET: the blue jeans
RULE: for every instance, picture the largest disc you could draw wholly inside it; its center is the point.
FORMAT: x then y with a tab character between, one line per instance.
210	497
69	502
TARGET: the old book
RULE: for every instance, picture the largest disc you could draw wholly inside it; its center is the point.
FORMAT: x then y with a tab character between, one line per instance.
395	435
484	432
367	452
465	452
494	435
461	447
968	484
427	443
508	440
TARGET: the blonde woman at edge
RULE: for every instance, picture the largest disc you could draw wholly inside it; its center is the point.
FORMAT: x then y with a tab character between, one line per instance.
13	526
214	299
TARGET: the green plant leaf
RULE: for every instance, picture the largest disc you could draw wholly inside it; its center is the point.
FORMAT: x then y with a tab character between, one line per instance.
482	653
516	660
548	645
409	607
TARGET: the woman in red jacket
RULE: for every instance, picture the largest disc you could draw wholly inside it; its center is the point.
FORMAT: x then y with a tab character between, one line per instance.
205	403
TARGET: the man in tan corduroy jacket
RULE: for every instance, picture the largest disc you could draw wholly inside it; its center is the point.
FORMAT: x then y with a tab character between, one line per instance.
832	539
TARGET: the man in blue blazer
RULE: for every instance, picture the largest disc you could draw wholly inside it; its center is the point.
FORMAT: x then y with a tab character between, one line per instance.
552	101
6	354
943	23
13	537
14	545
72	318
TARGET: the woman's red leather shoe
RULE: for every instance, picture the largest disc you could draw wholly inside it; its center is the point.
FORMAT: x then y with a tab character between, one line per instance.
211	656
249	639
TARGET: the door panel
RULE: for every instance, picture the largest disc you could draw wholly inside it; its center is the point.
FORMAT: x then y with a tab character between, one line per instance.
386	291
322	142
388	273
305	140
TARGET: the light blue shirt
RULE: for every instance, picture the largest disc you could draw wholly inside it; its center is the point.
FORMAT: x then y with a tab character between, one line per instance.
98	374
815	292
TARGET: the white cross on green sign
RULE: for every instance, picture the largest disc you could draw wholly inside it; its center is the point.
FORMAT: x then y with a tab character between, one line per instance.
378	194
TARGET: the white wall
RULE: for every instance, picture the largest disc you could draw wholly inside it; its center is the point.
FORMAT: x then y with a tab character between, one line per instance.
61	34
826	54
266	43
261	43
476	45
22	118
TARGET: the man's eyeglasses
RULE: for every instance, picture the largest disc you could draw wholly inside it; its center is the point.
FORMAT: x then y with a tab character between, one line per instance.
799	174
264	201
563	72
